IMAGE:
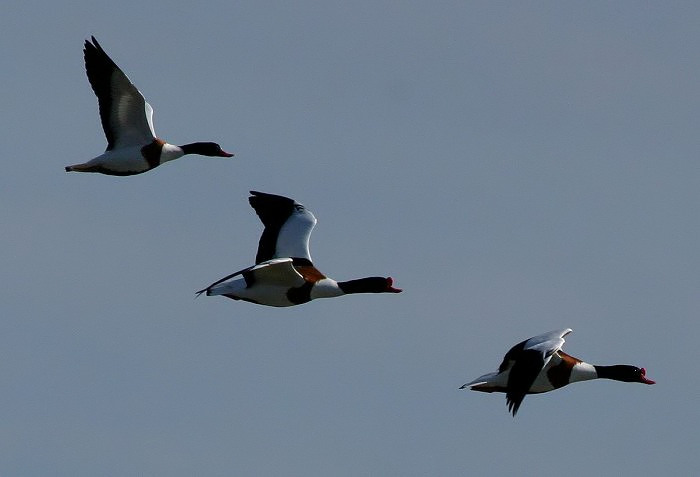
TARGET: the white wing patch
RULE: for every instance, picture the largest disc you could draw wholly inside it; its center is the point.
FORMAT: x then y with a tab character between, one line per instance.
149	118
277	272
293	237
548	343
131	118
278	275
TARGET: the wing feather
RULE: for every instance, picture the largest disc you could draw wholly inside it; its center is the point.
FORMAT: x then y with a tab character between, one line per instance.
288	227
127	119
521	376
528	358
278	271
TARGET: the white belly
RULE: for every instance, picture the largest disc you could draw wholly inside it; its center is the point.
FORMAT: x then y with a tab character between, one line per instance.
272	295
125	159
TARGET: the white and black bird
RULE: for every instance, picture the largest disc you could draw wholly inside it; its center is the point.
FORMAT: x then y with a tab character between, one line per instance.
538	365
283	274
127	120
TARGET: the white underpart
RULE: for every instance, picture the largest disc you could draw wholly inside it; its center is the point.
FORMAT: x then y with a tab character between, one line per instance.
123	159
272	295
130	158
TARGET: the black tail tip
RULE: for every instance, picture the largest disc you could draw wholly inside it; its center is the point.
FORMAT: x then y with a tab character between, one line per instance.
68	169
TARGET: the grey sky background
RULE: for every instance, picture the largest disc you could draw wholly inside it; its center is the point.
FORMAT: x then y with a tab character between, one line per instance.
517	167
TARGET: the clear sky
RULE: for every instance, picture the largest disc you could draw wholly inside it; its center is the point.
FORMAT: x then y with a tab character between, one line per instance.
517	167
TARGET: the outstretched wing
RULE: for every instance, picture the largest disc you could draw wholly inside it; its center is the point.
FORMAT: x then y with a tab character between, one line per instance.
521	376
127	119
528	358
288	226
279	271
273	272
548	343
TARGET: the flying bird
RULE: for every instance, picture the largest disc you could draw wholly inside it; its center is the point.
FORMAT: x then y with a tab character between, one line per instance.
127	120
283	274
538	365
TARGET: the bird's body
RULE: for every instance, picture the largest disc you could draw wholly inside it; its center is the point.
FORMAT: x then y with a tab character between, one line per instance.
284	274
538	365
127	120
279	283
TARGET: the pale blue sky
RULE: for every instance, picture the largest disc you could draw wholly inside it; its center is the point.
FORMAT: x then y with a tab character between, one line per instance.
516	167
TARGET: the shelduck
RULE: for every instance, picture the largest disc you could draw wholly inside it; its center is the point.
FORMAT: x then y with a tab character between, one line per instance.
538	365
283	274
127	120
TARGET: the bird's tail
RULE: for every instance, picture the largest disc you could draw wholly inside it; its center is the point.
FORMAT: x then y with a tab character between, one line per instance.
206	290
483	383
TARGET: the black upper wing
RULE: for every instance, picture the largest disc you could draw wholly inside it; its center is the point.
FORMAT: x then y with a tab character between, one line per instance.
124	113
527	366
288	226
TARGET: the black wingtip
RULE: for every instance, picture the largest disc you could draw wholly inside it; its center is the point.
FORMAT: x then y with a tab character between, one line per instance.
267	195
513	402
513	407
197	294
95	45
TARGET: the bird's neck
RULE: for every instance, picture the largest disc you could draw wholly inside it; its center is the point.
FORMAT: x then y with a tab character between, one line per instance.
192	148
362	285
325	288
609	372
583	372
170	152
